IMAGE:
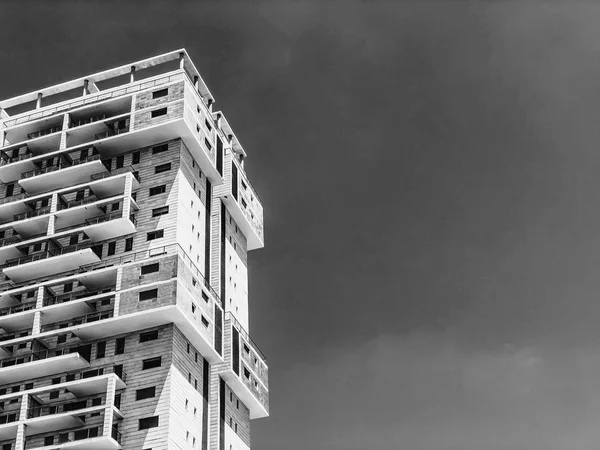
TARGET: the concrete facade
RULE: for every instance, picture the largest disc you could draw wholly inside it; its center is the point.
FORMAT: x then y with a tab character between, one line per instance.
125	221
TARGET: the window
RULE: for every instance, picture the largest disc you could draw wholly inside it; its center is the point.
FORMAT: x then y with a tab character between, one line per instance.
97	401
74	239
111	248
204	296
135	157
120	161
128	244
115	206
68	287
142	394
150	268
161	93
155	235
151	363
204	321
158	190
162	168
152	294
101	349
56	380
160	211
207	123
160	148
119	346
149	336
61	339
246	349
207	143
159	112
79	195
48	440
10	189
246	373
188	348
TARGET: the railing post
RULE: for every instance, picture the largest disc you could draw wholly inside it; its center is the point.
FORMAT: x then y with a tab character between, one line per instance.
38	103
132	75
181	60
85	88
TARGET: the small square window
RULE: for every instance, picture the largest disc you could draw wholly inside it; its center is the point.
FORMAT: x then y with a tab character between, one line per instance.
160	93
148	422
135	157
149	336
151	363
162	168
150	268
158	190
152	294
155	235
159	112
160	211
128	244
160	148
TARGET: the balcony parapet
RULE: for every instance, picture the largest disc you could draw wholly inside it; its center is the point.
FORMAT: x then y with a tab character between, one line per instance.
61	165
44	132
13	309
48	254
40	355
80	320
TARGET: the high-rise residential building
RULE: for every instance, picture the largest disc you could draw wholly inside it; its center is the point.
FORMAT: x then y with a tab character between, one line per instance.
126	216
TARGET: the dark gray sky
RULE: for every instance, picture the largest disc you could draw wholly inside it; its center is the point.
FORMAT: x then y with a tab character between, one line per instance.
430	177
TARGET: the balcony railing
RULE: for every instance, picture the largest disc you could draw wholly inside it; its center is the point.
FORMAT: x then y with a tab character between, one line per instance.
61	165
48	254
44	132
79	320
245	335
78	123
83	201
29	214
9	417
8	310
8	335
109	133
5	159
114	172
116	435
13	198
172	249
70	296
64	406
39	355
10	240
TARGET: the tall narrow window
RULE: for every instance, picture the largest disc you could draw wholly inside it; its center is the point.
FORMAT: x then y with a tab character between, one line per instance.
111	248
129	244
135	158
120	161
120	346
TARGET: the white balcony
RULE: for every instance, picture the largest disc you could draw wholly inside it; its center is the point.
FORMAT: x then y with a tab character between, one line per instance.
9	430
96	443
49	264
43	366
242	202
57	177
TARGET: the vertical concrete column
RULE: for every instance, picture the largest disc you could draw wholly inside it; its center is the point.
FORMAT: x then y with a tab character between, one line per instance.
132	75
131	112
85	87
219	117
182	60
210	103
213	411
196	82
63	133
126	202
38	103
20	442
37	317
52	219
110	401
118	283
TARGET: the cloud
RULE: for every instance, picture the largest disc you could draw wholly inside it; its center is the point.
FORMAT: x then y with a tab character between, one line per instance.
424	393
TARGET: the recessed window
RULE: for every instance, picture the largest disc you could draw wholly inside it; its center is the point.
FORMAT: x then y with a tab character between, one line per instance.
120	161
115	206
204	321
207	144
150	268
68	287
112	246
151	363
155	235
159	112
128	244
160	211
119	346
204	296
148	422
142	394
135	157
160	148
161	93
246	349
246	373
158	190
152	294
149	336
101	349
207	123
162	168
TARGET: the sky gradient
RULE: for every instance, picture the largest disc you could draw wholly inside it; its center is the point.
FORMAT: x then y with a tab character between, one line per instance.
429	172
